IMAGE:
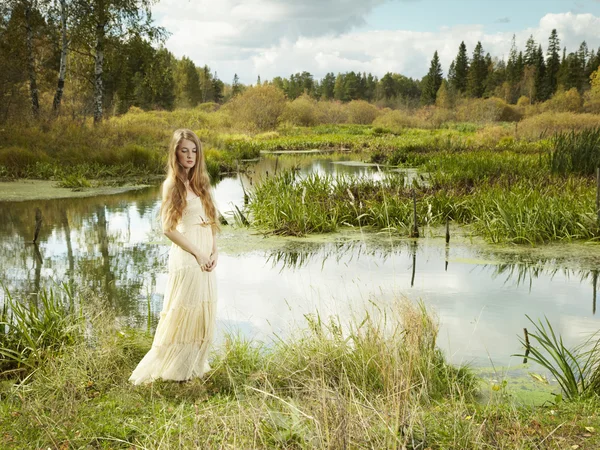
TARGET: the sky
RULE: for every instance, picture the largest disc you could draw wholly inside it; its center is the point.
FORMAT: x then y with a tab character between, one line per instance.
280	37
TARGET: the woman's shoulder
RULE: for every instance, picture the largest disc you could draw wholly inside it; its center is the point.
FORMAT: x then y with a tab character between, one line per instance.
167	185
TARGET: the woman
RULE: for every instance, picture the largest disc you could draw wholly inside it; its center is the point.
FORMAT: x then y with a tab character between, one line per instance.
189	219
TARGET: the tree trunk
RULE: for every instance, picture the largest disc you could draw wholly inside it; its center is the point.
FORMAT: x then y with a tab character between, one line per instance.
33	89
100	36
63	59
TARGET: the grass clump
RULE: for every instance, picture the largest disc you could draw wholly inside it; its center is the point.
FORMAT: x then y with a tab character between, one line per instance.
35	329
375	381
576	152
577	370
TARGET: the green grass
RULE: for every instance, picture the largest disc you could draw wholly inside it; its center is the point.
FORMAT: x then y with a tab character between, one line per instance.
576	152
500	207
34	329
576	369
376	381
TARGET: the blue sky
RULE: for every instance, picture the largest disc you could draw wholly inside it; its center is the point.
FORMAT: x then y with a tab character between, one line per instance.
280	37
495	16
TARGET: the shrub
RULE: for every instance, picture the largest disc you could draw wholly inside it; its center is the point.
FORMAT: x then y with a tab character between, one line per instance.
209	106
569	101
332	112
523	101
592	103
549	123
302	111
396	120
361	112
258	107
487	110
19	157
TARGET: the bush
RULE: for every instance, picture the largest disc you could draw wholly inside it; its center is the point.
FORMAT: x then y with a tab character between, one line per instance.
523	101
332	112
569	101
258	107
302	111
549	123
396	120
592	103
487	110
209	106
361	112
19	157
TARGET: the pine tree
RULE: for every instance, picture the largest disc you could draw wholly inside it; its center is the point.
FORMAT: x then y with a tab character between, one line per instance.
478	73
530	52
541	91
236	88
444	98
388	86
327	86
432	81
459	78
552	63
218	87
339	90
351	86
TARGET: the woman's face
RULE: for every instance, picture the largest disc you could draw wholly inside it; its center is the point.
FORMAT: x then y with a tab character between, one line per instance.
187	153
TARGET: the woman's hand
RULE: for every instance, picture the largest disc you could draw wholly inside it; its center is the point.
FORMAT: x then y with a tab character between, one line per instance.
214	257
203	261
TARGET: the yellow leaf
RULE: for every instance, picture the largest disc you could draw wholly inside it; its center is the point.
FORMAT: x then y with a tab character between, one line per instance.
590	429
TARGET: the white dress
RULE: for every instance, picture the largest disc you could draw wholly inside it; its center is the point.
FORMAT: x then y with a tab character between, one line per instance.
186	325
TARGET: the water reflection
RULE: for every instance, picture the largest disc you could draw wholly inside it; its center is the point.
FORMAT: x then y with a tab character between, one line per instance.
113	244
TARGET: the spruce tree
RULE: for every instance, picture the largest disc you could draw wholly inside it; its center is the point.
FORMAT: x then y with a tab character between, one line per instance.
432	82
339	90
477	73
388	86
236	88
552	63
327	86
530	52
458	80
541	91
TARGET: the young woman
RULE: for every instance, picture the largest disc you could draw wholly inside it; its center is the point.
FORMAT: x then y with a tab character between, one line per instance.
189	219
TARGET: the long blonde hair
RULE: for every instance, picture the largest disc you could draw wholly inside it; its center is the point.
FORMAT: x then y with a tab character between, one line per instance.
174	198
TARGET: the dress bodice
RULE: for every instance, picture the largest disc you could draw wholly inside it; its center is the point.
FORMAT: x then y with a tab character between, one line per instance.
193	214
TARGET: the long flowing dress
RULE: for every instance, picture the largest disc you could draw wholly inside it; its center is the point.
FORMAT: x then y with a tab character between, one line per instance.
186	325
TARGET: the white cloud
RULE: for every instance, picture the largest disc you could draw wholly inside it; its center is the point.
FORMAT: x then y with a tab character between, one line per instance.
276	38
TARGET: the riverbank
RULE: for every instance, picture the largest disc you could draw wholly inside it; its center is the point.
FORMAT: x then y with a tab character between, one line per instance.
23	190
381	383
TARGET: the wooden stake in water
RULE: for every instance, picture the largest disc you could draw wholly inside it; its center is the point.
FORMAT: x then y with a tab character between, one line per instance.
447	230
415	231
595	287
526	345
38	224
598	194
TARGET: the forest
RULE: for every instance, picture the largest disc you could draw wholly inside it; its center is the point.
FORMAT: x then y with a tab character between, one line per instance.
95	59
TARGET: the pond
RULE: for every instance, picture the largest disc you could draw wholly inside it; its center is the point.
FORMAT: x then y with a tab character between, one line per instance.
266	285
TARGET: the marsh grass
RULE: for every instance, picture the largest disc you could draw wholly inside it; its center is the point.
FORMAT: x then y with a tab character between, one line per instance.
37	328
376	380
523	207
576	369
576	152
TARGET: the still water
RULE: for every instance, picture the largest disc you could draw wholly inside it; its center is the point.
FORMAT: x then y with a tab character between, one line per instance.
113	244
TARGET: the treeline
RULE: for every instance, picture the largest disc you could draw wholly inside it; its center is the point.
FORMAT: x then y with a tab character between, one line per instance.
92	58
531	75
